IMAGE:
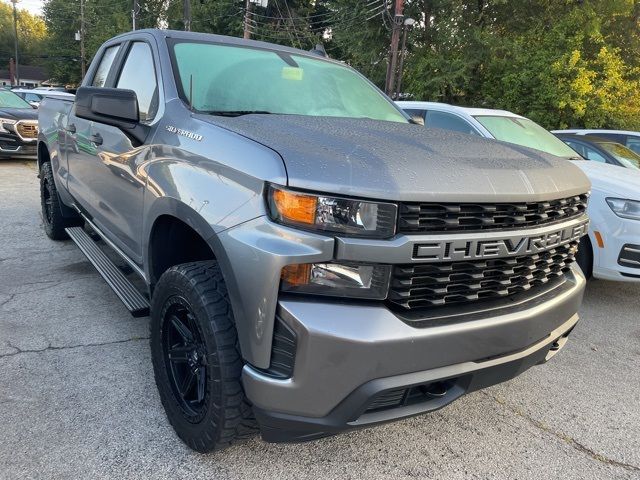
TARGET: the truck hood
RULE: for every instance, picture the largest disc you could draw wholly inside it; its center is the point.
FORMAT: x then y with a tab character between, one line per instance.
19	113
397	161
611	179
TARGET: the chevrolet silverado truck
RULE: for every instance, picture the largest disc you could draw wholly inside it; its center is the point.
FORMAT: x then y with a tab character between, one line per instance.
311	261
18	127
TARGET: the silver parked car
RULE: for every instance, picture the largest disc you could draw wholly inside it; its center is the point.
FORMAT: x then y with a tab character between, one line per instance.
35	95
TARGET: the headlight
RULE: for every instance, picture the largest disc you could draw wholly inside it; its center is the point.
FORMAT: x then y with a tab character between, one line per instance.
332	214
5	121
625	208
337	280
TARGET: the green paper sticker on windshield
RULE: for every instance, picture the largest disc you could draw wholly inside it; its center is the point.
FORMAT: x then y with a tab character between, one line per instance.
292	73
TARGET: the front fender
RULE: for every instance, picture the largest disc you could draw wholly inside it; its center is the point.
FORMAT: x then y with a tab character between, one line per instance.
167	206
210	198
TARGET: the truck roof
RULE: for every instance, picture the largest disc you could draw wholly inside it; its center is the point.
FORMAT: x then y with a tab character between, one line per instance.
161	34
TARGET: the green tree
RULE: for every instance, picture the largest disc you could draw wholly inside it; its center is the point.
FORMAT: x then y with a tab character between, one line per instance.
103	20
31	36
560	62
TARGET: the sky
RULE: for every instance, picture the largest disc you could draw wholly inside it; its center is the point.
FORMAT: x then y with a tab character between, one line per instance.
33	6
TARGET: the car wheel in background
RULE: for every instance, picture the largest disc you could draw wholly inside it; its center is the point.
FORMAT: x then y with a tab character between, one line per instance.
53	220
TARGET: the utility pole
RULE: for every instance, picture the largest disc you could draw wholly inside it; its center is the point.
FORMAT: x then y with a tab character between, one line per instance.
406	24
398	18
82	31
134	13
15	40
187	15
247	19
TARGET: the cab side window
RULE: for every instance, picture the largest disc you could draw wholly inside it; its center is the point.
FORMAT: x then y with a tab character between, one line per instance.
633	143
447	121
109	55
138	74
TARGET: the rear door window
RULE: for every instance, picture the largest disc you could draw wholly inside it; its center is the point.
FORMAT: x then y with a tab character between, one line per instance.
633	143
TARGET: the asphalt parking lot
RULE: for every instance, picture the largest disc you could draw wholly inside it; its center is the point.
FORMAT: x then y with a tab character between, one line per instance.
77	397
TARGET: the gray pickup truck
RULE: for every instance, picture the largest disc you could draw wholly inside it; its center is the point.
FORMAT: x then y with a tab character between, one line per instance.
311	261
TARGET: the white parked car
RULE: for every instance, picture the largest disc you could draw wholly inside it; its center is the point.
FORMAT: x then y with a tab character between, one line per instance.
612	249
35	95
629	139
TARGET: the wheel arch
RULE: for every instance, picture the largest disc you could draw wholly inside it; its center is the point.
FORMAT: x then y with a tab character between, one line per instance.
43	153
166	211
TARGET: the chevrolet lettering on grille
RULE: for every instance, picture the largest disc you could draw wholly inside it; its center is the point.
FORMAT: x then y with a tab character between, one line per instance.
515	245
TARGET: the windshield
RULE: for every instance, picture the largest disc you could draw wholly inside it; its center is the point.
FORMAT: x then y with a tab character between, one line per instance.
11	100
228	79
527	133
626	157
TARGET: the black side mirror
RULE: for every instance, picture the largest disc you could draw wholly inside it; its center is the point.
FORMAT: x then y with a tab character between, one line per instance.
111	106
416	120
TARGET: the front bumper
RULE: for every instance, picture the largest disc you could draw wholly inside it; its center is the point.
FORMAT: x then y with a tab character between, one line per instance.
12	147
350	356
618	234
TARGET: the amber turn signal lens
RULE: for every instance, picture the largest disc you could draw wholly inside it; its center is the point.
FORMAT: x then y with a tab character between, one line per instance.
296	275
295	207
599	239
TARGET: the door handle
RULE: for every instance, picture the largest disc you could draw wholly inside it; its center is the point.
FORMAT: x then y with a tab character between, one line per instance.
96	138
71	128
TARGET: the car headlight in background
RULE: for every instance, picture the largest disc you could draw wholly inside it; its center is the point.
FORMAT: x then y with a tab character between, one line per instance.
6	121
337	279
332	214
625	208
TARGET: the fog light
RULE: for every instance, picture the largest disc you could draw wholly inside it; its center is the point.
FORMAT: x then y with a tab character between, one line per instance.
337	279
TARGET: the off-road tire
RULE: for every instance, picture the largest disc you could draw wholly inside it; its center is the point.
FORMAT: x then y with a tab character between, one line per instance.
584	257
53	221
225	414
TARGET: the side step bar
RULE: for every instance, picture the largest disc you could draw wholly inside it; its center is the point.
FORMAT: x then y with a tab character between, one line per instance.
135	302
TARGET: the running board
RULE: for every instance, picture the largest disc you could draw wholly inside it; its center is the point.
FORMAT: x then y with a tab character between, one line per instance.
135	302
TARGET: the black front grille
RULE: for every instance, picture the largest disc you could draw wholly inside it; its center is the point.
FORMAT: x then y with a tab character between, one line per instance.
437	393
440	284
445	217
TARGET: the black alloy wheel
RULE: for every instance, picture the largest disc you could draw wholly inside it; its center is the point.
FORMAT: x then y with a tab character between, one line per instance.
47	201
185	358
53	221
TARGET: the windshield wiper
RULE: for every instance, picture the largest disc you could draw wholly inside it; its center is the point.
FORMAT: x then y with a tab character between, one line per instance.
235	113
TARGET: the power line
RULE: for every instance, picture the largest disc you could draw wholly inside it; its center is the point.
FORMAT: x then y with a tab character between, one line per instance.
343	24
308	17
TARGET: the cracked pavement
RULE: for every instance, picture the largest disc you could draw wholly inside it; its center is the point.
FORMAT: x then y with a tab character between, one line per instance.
78	399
